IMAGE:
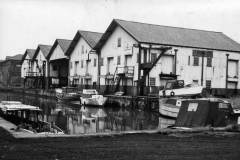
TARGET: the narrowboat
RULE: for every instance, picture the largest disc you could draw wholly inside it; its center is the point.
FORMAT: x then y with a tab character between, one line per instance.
27	118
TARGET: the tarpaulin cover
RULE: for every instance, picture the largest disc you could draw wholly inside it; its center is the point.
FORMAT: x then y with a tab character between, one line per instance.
198	113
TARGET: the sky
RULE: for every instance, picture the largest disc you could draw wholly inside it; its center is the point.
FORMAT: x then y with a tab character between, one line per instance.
26	23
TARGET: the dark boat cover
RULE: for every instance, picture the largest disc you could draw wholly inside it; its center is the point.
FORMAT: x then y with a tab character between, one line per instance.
203	112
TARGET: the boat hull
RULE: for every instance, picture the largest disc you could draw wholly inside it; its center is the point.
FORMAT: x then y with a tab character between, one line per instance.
169	107
189	91
169	111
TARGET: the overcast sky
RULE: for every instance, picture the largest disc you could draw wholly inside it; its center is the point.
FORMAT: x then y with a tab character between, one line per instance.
27	23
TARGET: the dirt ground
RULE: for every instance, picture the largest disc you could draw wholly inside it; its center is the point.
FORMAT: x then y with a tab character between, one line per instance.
137	146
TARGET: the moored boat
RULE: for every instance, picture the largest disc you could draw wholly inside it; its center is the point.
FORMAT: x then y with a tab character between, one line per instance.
201	112
172	95
91	97
178	88
27	118
169	107
67	94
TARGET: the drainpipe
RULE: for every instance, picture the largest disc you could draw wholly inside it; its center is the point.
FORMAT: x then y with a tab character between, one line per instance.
227	71
99	67
175	61
139	69
150	61
202	68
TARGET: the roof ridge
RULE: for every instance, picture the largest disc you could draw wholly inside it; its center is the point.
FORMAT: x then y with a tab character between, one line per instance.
168	26
63	39
89	31
44	45
29	49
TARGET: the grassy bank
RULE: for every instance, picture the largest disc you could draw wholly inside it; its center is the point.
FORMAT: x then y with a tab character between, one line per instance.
141	146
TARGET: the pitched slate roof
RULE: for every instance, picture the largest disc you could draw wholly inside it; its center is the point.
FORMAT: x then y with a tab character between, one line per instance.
90	37
173	36
44	48
29	52
63	43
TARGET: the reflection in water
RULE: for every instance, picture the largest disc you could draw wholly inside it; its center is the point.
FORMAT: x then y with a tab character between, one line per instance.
83	120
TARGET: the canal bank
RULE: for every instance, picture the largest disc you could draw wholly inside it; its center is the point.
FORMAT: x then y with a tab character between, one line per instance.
33	92
135	146
13	130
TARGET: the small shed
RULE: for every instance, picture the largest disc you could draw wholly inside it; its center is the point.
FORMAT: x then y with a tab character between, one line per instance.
204	112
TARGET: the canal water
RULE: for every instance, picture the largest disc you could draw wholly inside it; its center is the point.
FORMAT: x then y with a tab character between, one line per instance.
76	119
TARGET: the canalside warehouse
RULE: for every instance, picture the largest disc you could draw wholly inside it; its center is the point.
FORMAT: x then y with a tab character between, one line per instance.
83	59
58	64
27	62
139	58
36	76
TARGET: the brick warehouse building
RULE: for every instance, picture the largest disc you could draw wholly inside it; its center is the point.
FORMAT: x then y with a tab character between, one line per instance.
10	71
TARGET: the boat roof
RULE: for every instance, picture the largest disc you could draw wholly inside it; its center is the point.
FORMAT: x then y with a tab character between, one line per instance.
12	106
10	102
89	91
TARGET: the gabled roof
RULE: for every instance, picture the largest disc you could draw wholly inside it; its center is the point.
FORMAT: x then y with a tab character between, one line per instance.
29	52
44	48
172	36
17	57
63	43
90	37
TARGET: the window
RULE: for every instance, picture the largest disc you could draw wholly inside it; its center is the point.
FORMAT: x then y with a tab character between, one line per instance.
208	84
101	62
209	61
76	67
81	81
196	61
95	62
189	58
137	57
152	81
153	57
118	60
82	49
82	63
119	41
145	55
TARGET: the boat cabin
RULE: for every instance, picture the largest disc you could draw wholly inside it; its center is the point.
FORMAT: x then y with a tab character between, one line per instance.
175	84
26	117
